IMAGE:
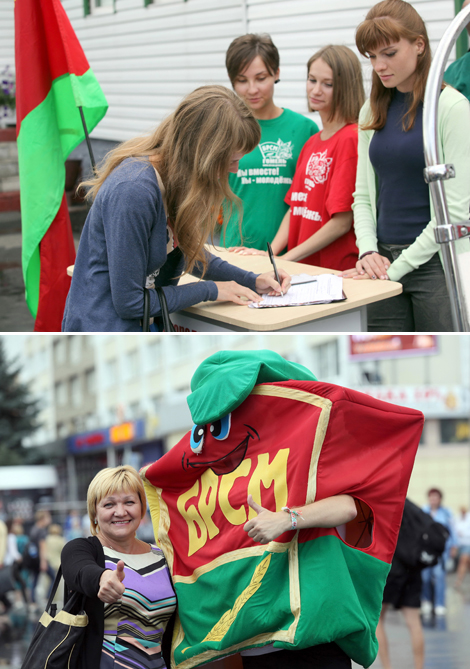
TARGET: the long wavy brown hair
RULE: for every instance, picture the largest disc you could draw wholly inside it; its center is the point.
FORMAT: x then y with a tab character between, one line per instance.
192	149
385	23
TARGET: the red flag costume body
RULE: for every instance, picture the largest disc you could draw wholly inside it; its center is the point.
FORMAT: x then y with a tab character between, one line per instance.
288	443
53	80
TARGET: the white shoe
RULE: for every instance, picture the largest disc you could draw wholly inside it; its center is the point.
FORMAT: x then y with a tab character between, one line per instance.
426	608
440	610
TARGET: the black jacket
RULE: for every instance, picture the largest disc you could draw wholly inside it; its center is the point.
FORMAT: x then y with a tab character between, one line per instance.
83	563
82	566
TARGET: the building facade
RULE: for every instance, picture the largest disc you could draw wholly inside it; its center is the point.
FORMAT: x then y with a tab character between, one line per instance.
148	54
108	399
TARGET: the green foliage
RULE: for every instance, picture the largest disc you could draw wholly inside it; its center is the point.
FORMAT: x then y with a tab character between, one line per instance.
18	414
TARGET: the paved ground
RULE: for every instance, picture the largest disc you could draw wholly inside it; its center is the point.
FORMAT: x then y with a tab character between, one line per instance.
447	638
14	314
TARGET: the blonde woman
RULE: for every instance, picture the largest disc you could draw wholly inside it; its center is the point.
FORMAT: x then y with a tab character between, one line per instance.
129	595
156	200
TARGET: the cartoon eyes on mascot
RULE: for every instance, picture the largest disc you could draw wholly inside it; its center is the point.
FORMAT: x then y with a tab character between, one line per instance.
267	428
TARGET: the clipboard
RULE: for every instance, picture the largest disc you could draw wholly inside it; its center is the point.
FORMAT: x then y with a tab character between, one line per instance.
306	290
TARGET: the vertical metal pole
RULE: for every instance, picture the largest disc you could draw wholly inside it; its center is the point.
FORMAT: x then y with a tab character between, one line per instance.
87	137
430	137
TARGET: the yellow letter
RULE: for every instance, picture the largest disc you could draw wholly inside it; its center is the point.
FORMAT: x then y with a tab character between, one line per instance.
268	473
197	531
234	516
209	482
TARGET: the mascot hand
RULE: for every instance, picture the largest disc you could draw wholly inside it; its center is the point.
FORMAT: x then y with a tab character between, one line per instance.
267	525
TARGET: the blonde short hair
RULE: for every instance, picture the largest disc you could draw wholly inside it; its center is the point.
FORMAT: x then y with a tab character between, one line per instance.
109	481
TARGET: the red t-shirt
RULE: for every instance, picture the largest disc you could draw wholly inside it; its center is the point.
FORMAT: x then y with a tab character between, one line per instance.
323	185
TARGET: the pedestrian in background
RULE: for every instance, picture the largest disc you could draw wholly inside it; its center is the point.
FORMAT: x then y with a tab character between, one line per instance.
434	578
403	591
54	545
35	557
393	216
14	559
264	174
462	528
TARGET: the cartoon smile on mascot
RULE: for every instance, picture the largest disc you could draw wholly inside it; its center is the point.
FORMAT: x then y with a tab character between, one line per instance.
266	427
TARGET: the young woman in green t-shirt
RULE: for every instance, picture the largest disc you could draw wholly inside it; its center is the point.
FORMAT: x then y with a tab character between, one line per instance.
264	175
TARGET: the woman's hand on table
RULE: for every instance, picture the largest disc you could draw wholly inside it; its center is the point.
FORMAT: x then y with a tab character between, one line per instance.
371	266
245	251
231	291
266	283
111	586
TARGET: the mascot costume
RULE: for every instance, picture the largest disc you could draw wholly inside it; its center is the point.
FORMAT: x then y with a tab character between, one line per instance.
266	427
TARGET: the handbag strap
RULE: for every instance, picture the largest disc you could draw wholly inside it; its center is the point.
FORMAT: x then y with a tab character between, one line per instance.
146	317
55	585
167	324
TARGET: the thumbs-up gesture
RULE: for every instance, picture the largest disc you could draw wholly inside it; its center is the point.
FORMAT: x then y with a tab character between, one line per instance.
267	525
111	584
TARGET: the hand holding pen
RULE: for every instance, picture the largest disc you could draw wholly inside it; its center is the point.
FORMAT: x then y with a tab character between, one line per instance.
276	273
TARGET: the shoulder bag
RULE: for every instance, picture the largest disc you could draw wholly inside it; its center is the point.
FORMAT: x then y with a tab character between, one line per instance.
58	637
163	322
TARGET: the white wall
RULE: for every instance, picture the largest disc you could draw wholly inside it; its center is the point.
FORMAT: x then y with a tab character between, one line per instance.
147	58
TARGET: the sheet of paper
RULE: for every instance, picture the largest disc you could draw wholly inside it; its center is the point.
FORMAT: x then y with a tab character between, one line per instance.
327	288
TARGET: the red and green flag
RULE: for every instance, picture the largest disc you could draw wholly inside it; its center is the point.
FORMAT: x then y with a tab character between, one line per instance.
54	79
287	443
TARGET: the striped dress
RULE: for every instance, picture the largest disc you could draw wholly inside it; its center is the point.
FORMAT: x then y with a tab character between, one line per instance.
134	626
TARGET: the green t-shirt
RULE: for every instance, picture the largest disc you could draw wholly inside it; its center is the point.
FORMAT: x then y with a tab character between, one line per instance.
458	75
264	176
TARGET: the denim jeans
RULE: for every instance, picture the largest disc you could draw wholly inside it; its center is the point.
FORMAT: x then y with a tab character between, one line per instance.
424	304
435	576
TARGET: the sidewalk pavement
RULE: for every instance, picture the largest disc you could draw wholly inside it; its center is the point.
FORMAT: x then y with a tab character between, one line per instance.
14	314
447	639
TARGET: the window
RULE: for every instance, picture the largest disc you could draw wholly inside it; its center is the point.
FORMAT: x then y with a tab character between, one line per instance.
60	351
134	411
455	431
111	373
75	349
75	391
326	360
132	364
98	6
61	393
90	379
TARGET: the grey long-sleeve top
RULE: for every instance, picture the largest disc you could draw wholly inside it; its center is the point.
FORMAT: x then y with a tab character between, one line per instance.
124	240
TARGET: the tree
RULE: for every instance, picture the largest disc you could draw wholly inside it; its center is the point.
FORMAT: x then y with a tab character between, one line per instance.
18	413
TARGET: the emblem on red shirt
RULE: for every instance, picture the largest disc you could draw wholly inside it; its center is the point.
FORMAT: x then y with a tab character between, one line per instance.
317	169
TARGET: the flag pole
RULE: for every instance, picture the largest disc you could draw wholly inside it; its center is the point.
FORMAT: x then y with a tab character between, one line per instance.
87	137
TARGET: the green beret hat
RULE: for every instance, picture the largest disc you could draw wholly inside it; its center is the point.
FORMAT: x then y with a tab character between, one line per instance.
224	380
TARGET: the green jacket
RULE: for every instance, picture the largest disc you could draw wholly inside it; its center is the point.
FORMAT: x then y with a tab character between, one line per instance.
454	147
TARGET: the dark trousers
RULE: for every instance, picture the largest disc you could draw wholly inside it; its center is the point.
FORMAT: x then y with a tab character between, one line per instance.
424	304
323	656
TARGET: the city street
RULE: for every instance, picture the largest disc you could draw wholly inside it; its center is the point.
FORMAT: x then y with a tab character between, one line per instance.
447	639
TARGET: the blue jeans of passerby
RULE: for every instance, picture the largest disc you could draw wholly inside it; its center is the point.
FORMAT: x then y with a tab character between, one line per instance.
424	304
35	578
435	576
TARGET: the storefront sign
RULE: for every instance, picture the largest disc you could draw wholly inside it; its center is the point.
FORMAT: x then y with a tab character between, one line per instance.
433	401
373	347
112	436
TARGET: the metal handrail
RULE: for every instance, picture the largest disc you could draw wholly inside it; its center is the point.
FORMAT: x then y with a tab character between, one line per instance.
435	173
